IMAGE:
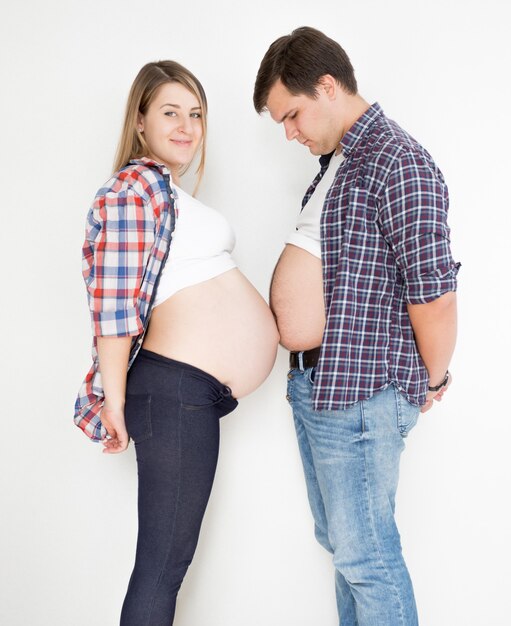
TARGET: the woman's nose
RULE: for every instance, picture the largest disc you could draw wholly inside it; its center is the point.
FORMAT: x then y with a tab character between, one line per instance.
186	124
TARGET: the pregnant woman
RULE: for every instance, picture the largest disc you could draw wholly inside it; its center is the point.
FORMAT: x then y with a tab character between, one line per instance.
179	333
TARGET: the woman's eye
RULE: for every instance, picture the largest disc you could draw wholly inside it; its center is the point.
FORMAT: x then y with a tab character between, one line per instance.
292	117
170	113
196	116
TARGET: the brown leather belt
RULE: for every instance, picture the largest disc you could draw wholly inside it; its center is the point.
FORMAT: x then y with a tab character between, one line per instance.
303	360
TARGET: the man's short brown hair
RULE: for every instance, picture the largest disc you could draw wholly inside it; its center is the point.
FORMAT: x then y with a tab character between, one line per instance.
299	60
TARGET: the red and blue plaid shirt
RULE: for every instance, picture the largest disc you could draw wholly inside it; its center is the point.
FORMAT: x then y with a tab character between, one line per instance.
128	233
384	243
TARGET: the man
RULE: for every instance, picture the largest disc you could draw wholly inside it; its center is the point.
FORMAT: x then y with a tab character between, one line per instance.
364	297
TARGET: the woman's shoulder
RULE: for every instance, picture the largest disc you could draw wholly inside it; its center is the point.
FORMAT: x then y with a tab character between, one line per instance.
142	177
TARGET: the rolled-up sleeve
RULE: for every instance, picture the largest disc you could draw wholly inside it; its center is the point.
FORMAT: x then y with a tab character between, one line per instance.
413	217
118	240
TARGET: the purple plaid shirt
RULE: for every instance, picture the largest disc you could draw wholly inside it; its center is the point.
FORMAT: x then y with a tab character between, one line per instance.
384	243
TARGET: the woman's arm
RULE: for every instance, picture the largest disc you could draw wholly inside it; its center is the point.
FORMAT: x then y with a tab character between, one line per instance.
113	355
120	234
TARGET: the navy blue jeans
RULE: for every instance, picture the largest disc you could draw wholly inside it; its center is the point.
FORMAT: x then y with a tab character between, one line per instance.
172	412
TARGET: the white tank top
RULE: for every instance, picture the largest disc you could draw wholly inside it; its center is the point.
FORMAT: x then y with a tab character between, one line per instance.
200	249
307	232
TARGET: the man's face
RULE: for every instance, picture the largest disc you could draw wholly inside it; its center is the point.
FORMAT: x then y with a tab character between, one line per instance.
313	122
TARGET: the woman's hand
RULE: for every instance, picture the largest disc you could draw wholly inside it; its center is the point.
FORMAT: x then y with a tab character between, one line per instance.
112	419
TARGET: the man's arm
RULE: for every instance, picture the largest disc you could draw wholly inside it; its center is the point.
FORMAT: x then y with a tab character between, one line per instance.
413	214
434	325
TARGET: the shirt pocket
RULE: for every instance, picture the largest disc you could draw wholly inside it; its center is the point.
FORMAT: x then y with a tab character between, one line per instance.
361	217
365	251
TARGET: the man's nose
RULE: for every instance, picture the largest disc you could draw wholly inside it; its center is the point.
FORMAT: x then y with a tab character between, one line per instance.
291	130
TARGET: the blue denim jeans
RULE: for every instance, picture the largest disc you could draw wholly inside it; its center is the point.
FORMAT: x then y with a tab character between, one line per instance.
172	412
351	463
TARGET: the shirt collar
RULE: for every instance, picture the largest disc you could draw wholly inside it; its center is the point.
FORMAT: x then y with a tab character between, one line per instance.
151	163
359	128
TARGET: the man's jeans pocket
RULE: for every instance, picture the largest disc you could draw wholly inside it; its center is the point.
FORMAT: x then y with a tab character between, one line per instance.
407	414
308	376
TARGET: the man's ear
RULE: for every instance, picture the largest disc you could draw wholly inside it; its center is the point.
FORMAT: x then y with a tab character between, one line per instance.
329	85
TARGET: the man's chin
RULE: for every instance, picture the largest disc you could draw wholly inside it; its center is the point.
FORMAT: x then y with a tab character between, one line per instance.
314	149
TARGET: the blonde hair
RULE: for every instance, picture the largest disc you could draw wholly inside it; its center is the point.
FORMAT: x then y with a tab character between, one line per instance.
132	144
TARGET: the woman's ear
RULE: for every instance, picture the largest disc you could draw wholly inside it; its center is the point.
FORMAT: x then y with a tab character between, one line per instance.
140	123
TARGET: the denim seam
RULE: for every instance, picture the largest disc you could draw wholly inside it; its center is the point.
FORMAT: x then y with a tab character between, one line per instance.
177	505
290	389
404	429
374	535
399	411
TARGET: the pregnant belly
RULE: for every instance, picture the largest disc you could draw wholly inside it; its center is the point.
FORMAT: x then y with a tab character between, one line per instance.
222	326
297	299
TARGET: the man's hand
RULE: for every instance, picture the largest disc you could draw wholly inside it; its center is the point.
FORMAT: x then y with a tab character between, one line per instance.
435	395
112	419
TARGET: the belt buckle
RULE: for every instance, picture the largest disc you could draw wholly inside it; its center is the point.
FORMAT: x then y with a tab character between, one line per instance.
300	361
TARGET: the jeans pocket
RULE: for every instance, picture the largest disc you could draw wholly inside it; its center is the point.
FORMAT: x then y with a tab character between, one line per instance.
199	393
137	414
407	415
311	374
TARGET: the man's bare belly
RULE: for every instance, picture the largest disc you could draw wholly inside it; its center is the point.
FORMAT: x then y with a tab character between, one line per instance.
222	326
297	299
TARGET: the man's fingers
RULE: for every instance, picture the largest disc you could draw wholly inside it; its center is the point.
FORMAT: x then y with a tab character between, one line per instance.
426	406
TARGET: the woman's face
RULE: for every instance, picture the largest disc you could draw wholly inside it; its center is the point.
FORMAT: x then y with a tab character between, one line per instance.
172	126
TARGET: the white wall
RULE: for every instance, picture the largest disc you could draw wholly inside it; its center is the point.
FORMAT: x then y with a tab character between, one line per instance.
67	516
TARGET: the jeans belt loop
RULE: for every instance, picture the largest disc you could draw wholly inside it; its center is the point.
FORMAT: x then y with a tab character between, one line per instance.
300	361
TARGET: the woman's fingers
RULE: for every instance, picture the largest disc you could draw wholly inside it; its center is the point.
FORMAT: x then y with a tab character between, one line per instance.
117	437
